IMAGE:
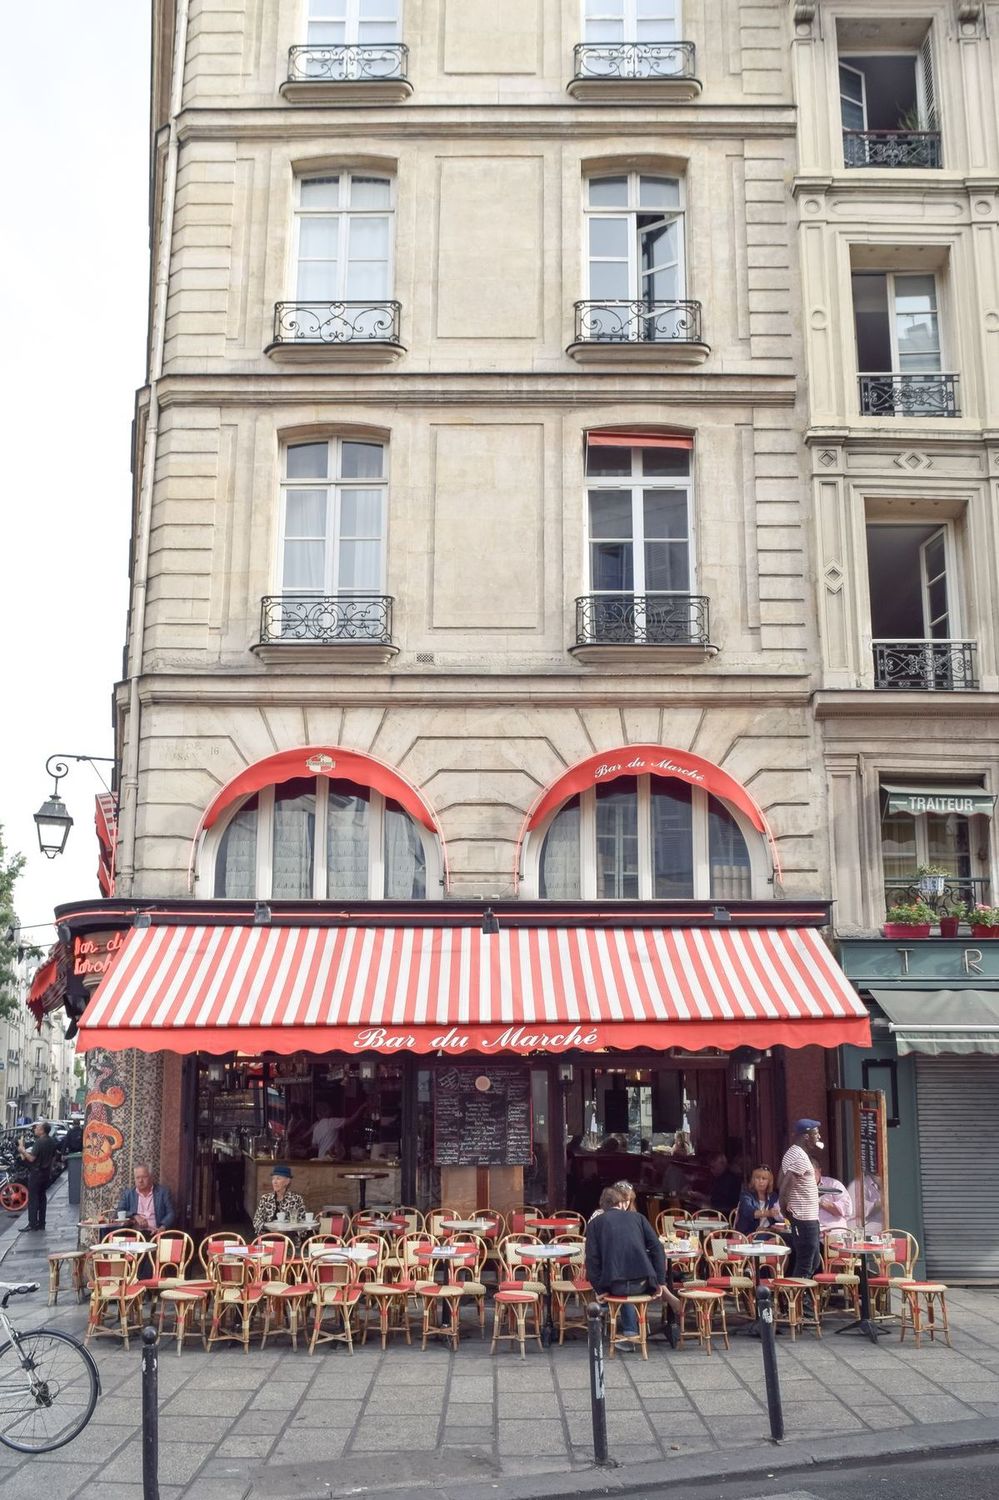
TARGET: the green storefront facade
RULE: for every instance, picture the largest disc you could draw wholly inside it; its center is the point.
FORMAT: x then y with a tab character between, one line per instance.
934	1007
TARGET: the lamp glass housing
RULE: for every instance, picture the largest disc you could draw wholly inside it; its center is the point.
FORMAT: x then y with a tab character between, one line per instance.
53	823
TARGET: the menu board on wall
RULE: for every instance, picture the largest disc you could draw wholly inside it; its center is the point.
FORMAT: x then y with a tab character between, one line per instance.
482	1117
870	1142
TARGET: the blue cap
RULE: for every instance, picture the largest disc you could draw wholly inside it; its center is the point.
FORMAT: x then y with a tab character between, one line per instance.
800	1126
280	1171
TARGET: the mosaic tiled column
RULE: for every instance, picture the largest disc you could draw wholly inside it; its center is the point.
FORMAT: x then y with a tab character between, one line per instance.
122	1125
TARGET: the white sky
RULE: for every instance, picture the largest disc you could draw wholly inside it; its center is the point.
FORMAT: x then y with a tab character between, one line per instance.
74	108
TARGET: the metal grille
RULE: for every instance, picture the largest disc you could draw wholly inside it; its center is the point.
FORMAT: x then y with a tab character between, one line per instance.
326	620
927	666
972	891
891	148
613	322
958	1109
642	619
631	60
336	322
347	64
891	395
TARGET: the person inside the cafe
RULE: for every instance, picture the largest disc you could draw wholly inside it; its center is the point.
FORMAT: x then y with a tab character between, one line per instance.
758	1206
624	1258
327	1132
725	1186
280	1200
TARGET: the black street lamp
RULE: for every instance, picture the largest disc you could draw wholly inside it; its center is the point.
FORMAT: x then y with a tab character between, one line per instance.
52	819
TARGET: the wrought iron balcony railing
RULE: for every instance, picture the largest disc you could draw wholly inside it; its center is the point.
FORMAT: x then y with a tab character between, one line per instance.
639	322
642	620
971	891
634	60
348	64
891	148
336	322
926	666
325	620
891	395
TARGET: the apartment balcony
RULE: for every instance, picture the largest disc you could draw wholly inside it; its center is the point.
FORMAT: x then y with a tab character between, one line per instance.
642	628
891	395
338	74
307	332
892	148
665	332
330	628
653	71
941	666
971	891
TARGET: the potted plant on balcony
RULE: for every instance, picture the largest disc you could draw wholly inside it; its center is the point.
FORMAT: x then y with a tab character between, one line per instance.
983	921
950	918
911	920
931	880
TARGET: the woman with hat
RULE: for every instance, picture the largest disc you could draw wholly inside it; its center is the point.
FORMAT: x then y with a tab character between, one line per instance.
280	1200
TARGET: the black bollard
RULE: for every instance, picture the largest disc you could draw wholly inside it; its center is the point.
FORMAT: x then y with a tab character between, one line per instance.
768	1342
150	1416
598	1400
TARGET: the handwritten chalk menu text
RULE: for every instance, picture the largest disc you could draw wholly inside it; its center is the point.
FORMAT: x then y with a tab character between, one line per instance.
482	1117
870	1141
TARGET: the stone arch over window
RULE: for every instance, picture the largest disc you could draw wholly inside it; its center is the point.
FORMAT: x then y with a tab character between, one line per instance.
319	823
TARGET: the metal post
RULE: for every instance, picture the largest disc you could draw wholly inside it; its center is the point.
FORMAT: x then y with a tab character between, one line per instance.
768	1341
598	1403
150	1416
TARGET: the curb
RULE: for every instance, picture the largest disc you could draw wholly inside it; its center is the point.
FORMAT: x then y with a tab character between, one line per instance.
922	1440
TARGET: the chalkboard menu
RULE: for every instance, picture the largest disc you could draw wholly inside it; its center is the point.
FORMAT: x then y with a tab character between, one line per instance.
870	1155
482	1117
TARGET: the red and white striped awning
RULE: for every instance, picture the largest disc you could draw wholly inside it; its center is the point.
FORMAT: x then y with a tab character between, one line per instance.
456	989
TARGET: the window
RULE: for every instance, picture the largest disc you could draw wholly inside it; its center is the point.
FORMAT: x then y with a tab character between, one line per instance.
344	240
639	542
955	842
915	601
644	838
635	256
334	507
362	23
888	109
899	347
311	838
631	20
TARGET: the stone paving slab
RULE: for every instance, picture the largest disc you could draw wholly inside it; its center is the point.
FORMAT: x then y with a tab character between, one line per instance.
398	1423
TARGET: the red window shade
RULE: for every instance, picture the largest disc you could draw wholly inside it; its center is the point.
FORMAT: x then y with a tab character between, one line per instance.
638	440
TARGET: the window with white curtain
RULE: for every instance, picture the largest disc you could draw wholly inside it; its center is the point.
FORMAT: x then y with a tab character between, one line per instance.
311	838
344	238
631	20
334	501
644	838
361	23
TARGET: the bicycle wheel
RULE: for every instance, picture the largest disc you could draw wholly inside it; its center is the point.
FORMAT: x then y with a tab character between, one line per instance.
48	1390
13	1197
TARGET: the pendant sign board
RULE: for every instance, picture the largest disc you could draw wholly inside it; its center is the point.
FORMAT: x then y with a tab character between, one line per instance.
482	1117
864	1145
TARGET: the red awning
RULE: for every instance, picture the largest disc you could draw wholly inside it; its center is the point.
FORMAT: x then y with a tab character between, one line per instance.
455	990
106	822
42	989
638	440
320	760
646	760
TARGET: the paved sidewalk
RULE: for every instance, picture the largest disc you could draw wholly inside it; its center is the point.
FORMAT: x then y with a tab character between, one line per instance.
283	1424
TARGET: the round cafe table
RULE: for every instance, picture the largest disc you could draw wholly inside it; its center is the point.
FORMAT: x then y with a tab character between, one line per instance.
756	1252
362	1179
546	1254
550	1226
292	1226
864	1250
468	1226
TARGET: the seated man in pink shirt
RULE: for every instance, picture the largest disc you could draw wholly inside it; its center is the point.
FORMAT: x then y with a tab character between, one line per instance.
148	1206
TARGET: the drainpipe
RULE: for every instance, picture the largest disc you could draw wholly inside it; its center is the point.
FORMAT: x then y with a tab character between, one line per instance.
128	794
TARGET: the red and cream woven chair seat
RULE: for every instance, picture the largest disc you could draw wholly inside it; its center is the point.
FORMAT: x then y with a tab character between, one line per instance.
924	1309
113	1290
184	1300
511	1307
335	1295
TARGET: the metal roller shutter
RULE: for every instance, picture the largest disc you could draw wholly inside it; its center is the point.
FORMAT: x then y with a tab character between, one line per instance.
958	1102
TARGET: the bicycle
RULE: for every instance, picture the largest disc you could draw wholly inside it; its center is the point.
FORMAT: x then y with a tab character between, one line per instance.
13	1194
49	1389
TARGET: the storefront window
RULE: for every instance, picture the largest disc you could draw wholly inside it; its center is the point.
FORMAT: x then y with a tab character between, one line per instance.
373	848
644	838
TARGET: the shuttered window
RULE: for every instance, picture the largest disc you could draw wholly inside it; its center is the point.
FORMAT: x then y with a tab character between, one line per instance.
958	1104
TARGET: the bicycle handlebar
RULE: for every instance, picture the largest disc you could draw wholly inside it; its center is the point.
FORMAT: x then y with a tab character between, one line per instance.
10	1289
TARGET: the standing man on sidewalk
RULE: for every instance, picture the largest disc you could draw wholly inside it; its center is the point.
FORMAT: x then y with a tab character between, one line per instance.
799	1196
39	1158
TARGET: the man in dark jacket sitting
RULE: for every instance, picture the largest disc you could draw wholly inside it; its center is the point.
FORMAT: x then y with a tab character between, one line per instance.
623	1256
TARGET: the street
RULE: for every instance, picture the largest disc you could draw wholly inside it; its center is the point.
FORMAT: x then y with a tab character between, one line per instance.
975	1477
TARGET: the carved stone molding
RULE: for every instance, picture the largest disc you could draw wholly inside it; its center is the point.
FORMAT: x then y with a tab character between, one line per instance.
912	462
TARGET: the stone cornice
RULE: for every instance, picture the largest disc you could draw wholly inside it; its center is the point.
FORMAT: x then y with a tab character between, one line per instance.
853	703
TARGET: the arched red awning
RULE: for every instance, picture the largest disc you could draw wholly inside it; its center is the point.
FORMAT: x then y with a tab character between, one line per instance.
646	760
320	760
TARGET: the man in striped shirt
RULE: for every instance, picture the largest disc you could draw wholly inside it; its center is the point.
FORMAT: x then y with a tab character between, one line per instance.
799	1196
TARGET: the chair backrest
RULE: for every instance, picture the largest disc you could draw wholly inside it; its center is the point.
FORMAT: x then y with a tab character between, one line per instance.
372	1266
666	1220
469	1263
228	1271
317	1243
511	1250
716	1246
577	1244
835	1254
123	1236
411	1247
435	1220
516	1218
335	1223
325	1273
215	1244
574	1223
173	1253
906	1248
112	1270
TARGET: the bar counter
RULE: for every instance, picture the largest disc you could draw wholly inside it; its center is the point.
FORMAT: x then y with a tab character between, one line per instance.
321	1182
